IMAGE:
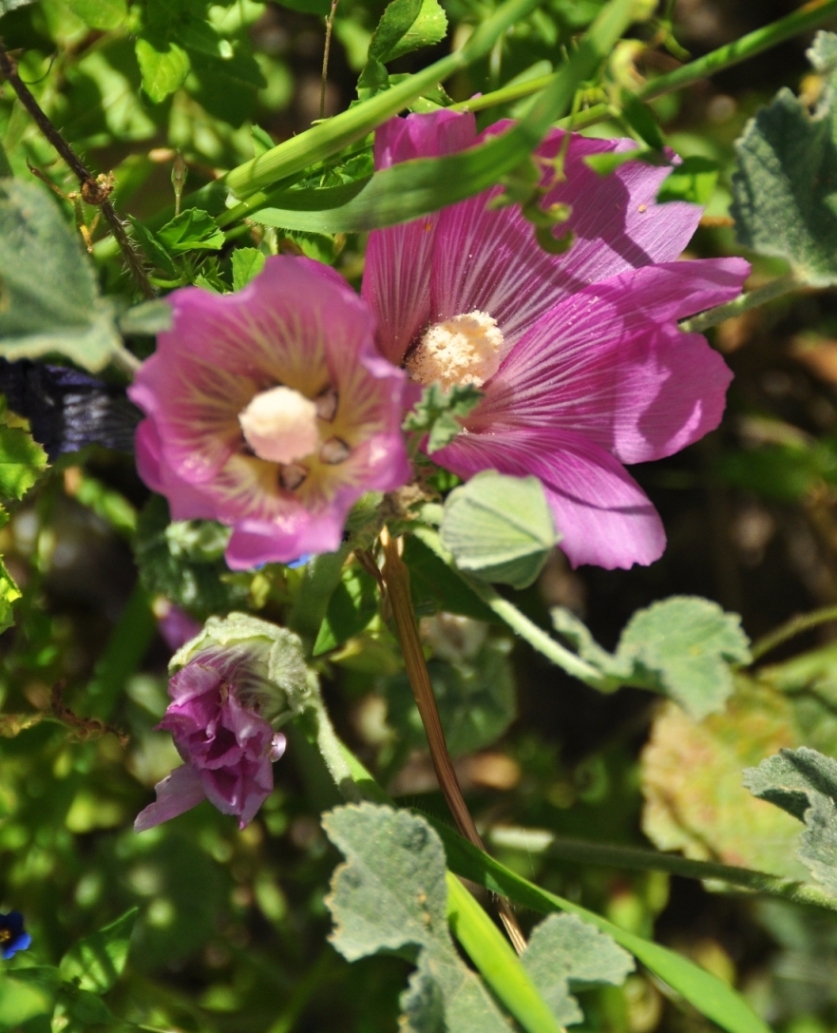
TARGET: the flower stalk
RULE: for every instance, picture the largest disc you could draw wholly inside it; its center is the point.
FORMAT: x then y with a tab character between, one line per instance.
397	580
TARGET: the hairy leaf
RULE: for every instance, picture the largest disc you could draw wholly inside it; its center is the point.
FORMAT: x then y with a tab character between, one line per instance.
565	952
49	299
803	782
499	527
786	182
391	896
682	647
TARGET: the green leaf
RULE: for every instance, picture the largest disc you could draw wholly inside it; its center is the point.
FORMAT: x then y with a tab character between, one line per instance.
9	593
192	230
803	782
352	605
500	527
184	562
476	699
693	180
147	318
407	25
682	647
439	411
642	121
27	992
392	896
100	14
22	461
164	67
96	962
247	263
77	1010
435	586
785	186
706	992
49	299
564	952
153	248
318	7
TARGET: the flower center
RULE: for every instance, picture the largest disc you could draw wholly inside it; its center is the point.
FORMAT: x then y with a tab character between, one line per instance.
280	425
462	350
5	935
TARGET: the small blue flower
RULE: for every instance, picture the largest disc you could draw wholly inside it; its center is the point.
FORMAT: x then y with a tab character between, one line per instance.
12	936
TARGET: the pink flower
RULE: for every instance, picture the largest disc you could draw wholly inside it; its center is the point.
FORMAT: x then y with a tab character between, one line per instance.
579	356
270	410
228	748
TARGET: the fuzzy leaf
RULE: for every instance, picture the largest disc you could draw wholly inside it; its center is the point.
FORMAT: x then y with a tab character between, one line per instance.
391	896
49	299
499	527
96	962
803	782
565	952
785	187
682	647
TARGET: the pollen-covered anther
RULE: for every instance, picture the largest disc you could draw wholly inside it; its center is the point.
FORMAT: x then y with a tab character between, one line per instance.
335	451
292	476
462	350
326	403
280	425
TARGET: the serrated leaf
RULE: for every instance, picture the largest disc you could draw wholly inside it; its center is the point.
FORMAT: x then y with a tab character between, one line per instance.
391	896
96	962
803	782
499	527
22	461
785	185
49	299
192	230
100	14
164	66
565	952
247	262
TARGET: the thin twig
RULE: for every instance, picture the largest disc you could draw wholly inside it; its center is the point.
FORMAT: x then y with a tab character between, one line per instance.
397	579
326	52
95	191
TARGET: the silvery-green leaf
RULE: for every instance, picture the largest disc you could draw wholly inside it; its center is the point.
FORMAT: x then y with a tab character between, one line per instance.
803	782
564	953
785	186
49	299
499	527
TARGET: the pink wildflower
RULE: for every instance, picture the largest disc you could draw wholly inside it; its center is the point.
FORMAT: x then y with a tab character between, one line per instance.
270	410
227	747
579	356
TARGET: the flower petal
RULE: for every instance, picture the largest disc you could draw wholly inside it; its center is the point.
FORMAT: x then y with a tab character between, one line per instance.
610	363
490	261
396	278
177	793
603	515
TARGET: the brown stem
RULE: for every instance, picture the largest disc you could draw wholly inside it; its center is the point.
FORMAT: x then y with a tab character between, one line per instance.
93	191
326	52
397	580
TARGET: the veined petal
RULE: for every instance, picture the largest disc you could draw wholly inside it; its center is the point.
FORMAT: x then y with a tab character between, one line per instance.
396	278
490	261
610	363
178	792
603	515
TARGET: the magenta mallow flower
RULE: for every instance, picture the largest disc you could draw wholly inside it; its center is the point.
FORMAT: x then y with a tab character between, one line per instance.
270	410
228	748
579	356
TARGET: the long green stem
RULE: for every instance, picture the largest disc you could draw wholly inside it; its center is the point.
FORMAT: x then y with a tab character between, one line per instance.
519	622
743	303
539	841
790	629
807	17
